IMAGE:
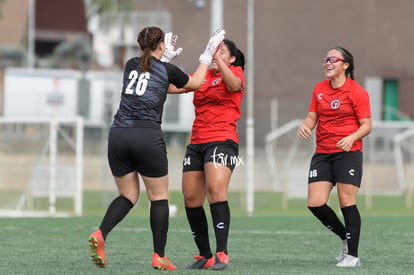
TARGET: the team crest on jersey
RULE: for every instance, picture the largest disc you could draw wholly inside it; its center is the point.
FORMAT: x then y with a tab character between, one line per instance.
216	81
335	104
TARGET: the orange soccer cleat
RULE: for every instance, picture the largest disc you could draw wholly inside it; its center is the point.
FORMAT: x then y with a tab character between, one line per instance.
97	248
201	263
162	263
221	260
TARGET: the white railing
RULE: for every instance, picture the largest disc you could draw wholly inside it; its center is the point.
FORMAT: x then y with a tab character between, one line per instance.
388	159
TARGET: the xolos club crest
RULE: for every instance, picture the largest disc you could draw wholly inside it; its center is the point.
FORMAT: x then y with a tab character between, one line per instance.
335	104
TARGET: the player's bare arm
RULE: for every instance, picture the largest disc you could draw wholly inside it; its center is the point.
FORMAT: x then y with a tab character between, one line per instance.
233	83
305	130
363	130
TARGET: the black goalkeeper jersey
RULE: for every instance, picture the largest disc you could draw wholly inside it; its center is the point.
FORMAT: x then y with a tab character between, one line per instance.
144	93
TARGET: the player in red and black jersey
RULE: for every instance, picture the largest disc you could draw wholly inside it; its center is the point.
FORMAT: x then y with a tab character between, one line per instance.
340	110
213	153
136	145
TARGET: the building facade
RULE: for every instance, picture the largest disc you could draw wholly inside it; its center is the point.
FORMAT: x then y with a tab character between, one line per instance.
290	39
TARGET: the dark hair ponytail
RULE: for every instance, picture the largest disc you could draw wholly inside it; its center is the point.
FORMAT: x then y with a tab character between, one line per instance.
348	58
148	39
234	51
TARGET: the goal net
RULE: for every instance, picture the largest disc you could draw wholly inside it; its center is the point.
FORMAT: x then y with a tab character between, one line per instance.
41	166
388	159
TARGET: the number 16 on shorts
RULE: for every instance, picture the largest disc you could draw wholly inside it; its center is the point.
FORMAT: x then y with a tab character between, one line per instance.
313	173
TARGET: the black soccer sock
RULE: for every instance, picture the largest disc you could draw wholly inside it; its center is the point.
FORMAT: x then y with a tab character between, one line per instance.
115	213
352	228
197	220
159	221
220	212
328	218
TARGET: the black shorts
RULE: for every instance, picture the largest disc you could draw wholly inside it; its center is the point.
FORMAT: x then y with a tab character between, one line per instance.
344	167
220	152
137	149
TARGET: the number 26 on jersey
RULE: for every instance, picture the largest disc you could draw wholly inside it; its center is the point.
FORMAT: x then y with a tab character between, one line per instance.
140	82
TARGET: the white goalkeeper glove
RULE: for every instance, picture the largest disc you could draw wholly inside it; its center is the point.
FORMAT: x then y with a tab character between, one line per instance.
170	52
212	47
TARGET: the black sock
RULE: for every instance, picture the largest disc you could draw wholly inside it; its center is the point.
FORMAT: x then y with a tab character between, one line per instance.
197	220
159	221
115	213
328	218
352	228
220	212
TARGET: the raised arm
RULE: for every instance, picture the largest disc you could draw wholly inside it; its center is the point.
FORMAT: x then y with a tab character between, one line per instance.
205	59
233	83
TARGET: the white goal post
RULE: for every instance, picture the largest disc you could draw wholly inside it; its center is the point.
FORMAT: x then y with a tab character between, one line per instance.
42	157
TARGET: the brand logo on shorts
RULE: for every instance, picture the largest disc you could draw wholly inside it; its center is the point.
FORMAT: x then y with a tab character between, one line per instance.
224	160
335	104
352	172
187	161
220	225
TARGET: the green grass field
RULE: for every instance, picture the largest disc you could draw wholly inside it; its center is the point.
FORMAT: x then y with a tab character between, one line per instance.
273	241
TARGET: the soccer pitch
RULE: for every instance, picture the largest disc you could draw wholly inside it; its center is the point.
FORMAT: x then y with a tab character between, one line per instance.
282	242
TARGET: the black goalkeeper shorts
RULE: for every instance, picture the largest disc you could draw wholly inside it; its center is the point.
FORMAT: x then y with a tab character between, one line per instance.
137	149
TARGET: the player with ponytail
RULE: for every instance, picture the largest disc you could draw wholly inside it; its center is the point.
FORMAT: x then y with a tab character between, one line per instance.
136	147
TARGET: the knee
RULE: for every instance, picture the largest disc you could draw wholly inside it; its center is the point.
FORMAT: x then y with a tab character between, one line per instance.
346	200
193	200
316	203
346	203
216	195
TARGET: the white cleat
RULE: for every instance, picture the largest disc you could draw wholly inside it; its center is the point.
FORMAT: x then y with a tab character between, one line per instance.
349	261
343	252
